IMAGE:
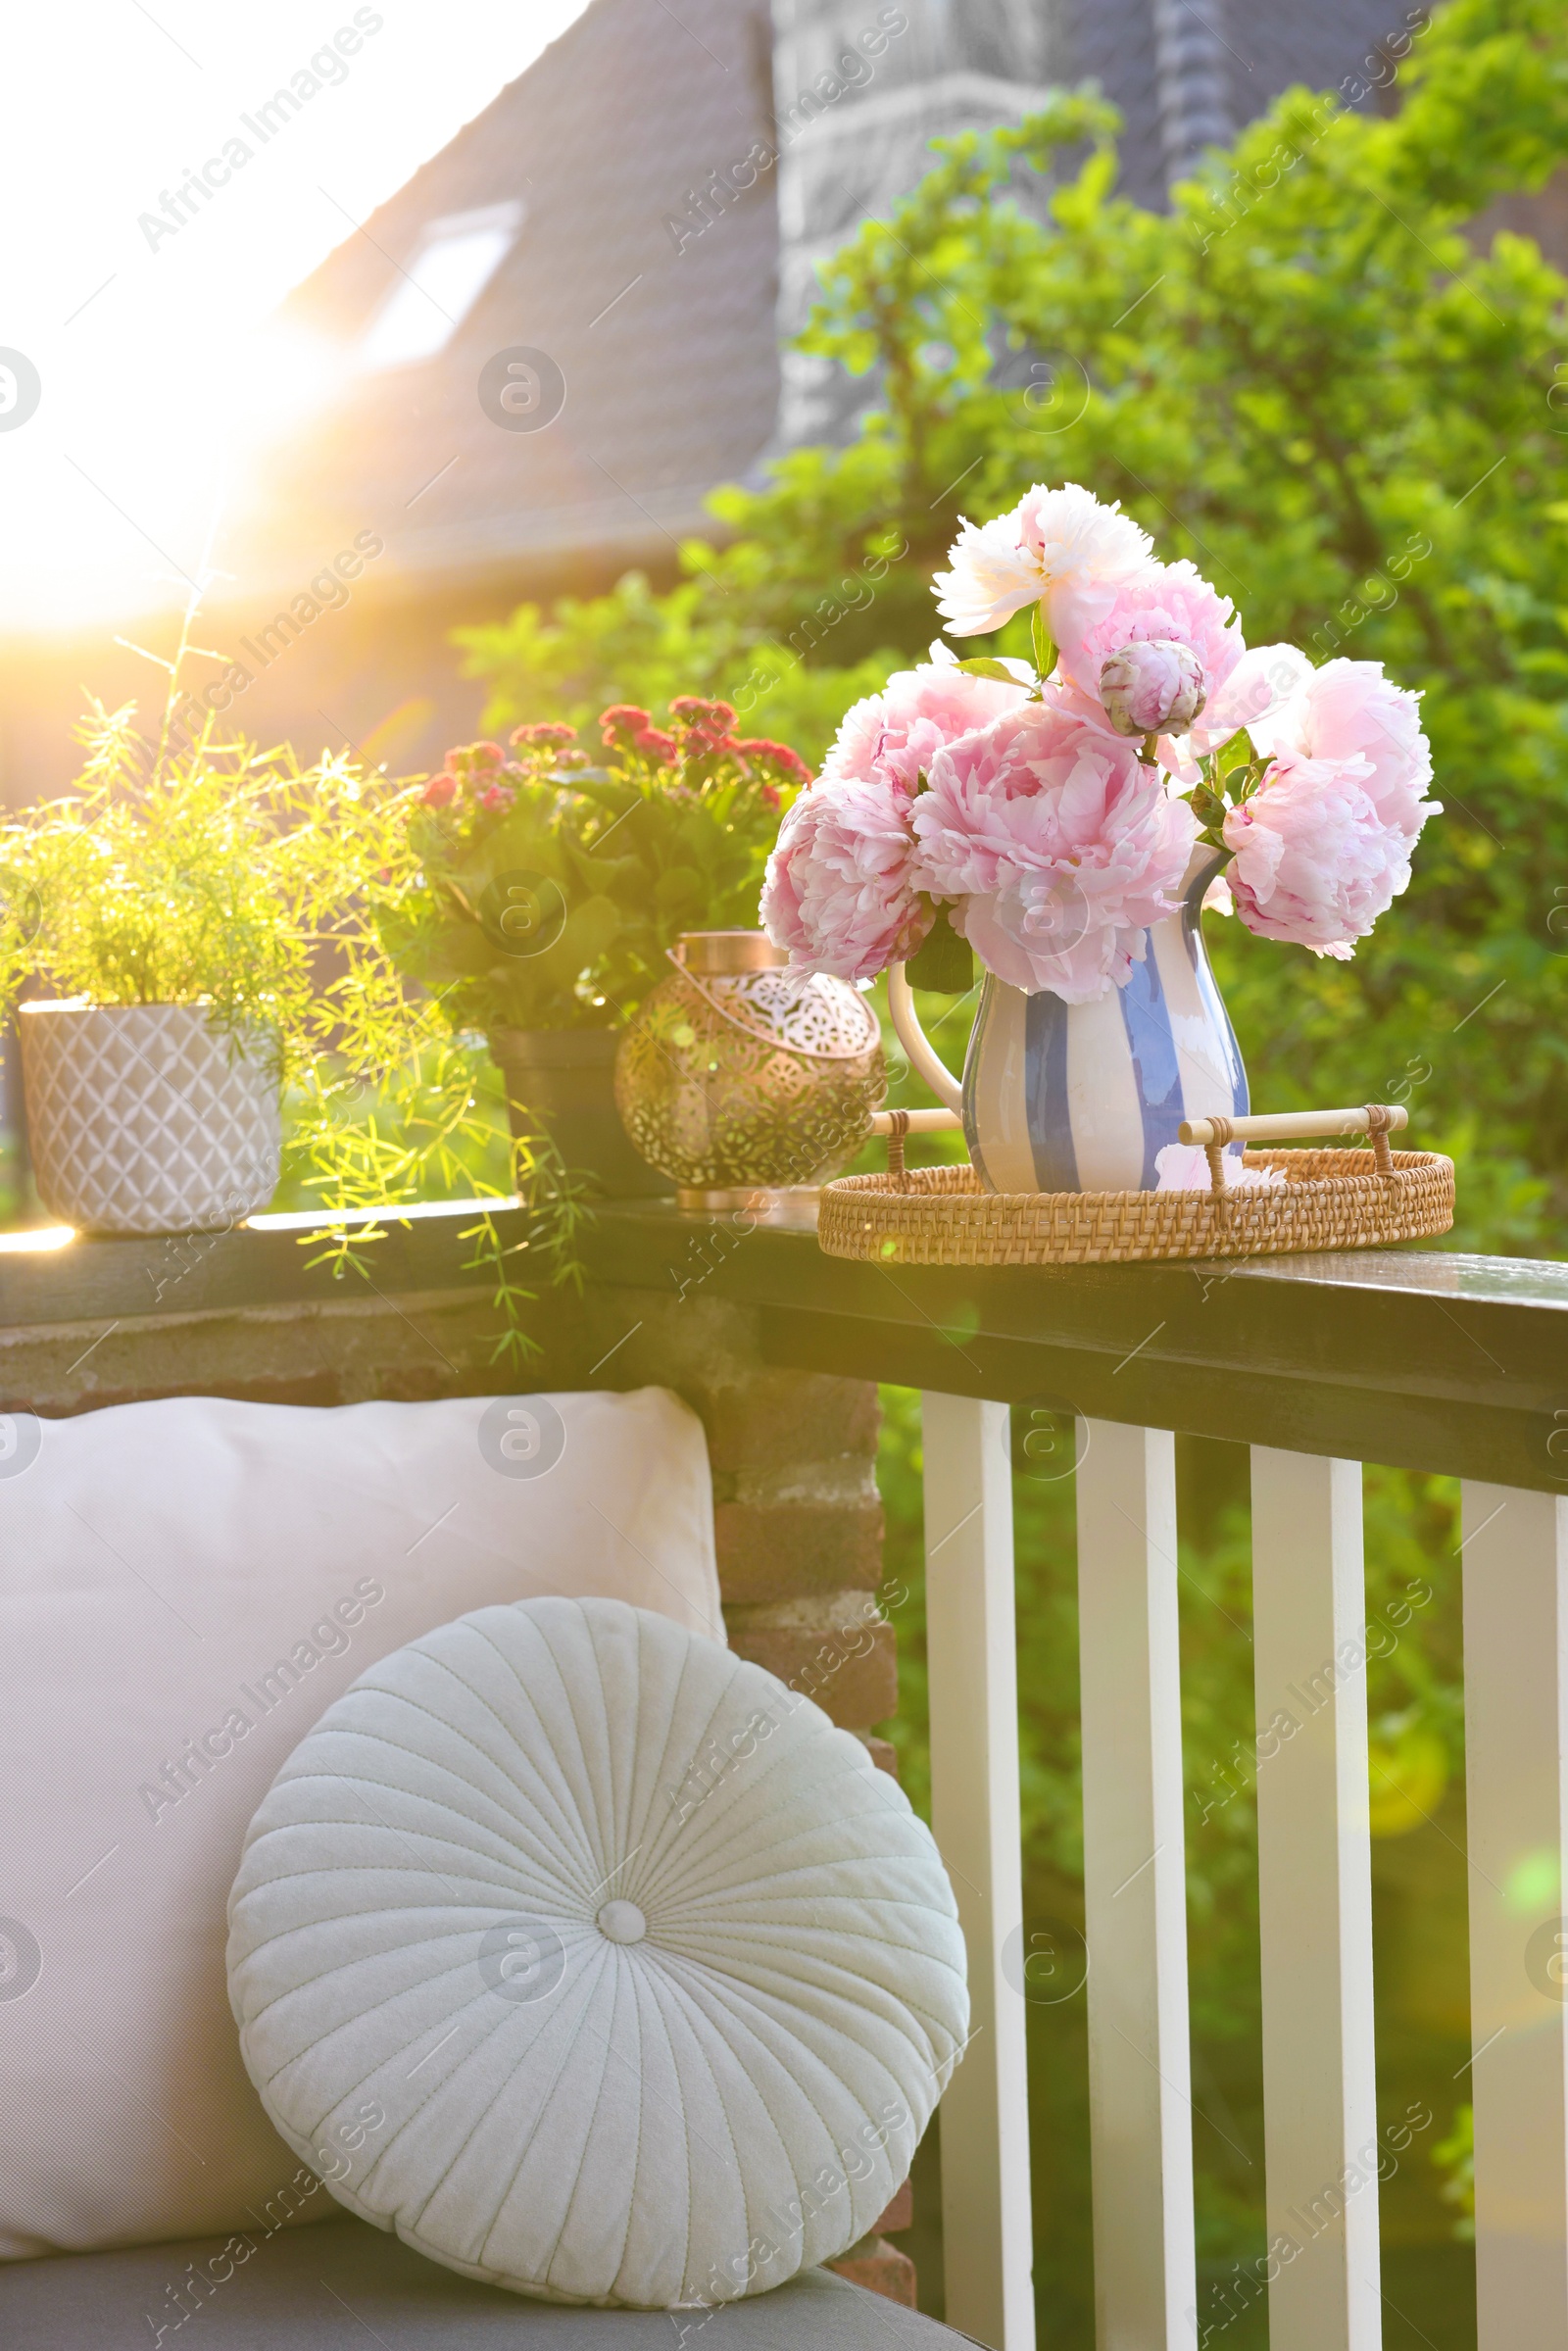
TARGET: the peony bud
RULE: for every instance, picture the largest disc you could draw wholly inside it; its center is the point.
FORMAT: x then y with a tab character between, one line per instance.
1154	687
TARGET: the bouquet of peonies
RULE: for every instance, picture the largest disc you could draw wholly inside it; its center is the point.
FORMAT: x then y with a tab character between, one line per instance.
1055	809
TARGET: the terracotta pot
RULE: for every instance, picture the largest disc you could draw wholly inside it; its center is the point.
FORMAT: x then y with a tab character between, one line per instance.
143	1118
565	1080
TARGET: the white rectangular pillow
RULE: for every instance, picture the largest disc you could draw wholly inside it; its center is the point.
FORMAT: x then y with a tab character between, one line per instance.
185	1586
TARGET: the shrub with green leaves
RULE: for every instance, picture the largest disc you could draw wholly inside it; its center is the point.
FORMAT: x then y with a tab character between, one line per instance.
635	645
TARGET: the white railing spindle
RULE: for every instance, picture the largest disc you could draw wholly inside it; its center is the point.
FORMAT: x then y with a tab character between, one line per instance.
1141	2135
1315	1903
972	1648
1516	1734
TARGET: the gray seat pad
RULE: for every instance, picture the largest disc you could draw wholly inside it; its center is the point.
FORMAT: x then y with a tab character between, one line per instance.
339	2286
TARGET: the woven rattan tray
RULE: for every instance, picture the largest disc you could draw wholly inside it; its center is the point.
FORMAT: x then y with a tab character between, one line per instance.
1329	1199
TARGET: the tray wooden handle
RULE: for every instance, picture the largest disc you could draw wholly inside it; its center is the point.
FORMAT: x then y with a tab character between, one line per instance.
1378	1120
914	1122
895	1124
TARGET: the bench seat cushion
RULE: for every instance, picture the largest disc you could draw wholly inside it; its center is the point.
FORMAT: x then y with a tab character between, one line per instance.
345	2287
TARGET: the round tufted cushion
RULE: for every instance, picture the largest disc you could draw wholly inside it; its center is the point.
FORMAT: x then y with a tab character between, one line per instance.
595	1961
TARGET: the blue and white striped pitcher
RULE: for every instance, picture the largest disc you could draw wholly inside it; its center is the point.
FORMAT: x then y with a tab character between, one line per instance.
1080	1097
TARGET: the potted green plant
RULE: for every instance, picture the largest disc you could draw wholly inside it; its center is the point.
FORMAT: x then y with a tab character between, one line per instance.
553	886
197	930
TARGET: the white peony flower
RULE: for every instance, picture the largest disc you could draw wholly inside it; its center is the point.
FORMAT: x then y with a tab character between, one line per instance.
1060	548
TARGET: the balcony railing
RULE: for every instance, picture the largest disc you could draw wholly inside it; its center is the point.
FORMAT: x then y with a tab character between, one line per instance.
1444	1363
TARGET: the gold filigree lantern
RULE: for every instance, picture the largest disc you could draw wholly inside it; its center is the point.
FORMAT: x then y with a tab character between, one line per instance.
739	1075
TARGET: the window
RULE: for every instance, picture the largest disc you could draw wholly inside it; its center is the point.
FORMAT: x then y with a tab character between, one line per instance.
450	268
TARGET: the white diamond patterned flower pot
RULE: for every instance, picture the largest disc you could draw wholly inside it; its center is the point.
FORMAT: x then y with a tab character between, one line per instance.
143	1118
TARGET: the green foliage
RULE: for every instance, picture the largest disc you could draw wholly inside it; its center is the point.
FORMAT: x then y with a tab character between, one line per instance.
220	875
549	890
633	646
1308	377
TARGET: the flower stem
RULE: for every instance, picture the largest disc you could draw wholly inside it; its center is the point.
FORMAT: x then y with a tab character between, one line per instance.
1045	650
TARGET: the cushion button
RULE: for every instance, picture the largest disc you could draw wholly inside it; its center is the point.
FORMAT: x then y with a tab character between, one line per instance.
623	1923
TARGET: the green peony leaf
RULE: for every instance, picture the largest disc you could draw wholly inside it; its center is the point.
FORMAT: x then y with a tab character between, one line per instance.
982	666
943	963
1237	752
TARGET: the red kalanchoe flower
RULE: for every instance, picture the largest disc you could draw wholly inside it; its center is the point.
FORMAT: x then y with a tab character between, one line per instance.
471	757
716	716
573	759
707	724
549	730
496	796
776	755
621	718
656	743
439	790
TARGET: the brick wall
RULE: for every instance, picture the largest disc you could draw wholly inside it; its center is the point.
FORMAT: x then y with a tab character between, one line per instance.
797	1516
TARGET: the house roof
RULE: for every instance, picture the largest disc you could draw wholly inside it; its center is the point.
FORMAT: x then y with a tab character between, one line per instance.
662	331
648	269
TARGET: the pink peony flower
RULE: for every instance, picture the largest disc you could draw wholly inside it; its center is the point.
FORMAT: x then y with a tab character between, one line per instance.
1059	548
1313	860
840	892
896	734
1150	685
1347	711
1323	847
1169	602
1061	845
1258	690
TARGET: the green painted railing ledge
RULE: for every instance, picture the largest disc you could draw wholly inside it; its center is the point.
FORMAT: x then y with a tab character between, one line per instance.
1423	1359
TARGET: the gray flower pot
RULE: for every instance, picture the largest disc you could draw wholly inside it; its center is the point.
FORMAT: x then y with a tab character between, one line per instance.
142	1118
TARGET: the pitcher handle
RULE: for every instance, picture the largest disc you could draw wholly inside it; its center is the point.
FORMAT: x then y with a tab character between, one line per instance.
924	1057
